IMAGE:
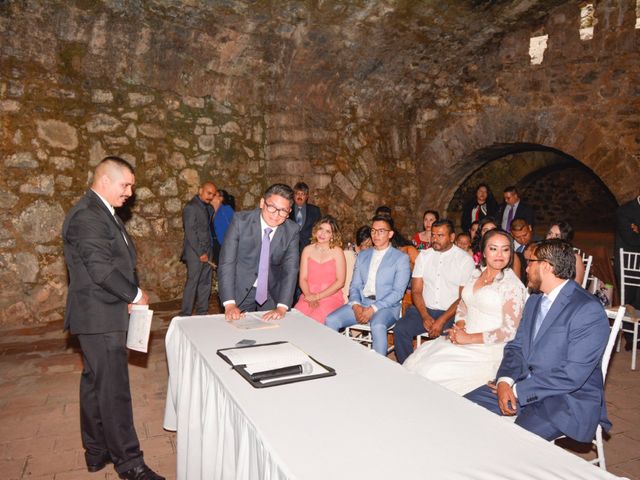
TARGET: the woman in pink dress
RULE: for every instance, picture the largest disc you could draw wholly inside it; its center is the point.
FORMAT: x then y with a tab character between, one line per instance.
322	271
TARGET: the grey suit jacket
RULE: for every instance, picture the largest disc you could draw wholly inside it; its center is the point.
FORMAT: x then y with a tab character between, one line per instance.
102	277
240	255
197	230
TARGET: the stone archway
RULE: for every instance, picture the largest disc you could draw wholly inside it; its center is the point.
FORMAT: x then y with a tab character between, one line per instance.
458	150
558	186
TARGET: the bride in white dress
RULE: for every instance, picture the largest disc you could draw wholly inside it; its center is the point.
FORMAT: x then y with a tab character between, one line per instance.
487	317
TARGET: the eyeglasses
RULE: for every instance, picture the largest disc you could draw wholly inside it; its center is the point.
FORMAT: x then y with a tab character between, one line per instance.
531	260
379	231
282	212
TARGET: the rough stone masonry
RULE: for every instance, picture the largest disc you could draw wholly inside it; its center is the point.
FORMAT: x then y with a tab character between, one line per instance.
368	102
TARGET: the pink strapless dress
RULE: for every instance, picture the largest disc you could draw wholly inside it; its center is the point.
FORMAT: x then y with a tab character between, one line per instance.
319	277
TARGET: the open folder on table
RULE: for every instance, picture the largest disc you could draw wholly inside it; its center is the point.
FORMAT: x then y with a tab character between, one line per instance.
271	364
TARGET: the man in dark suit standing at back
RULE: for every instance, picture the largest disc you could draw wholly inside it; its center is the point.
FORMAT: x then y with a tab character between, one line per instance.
103	283
627	238
197	220
303	213
512	208
258	268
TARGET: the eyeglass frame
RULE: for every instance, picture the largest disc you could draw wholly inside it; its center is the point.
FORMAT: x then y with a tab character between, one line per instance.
379	231
273	209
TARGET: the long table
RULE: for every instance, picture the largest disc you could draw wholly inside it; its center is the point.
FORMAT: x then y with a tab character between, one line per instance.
373	420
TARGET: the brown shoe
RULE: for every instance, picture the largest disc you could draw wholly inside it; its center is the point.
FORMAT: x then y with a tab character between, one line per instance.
141	472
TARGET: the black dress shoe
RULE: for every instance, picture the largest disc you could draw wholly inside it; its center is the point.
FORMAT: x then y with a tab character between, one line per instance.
141	472
96	467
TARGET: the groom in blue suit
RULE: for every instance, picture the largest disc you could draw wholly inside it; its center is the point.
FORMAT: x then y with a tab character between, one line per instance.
550	375
380	278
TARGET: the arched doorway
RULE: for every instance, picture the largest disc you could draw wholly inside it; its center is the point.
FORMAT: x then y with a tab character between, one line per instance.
557	185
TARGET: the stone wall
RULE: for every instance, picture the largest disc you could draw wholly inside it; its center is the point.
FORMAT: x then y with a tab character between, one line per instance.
583	100
371	103
62	112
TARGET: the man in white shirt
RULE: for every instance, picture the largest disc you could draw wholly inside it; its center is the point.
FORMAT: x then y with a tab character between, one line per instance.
551	375
380	278
438	277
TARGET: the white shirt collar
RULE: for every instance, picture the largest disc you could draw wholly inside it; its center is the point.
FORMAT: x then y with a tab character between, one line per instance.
553	294
381	252
264	225
107	204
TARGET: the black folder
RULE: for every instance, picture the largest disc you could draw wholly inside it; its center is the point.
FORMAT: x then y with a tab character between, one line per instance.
241	369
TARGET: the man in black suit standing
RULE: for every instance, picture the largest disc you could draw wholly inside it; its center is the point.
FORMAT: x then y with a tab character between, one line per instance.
628	238
513	208
303	213
259	260
197	251
103	283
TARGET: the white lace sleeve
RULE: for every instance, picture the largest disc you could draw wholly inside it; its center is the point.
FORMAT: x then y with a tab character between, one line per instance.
513	294
462	311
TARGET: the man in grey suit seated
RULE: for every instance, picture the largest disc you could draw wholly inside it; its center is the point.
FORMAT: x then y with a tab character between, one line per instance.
259	260
380	278
197	251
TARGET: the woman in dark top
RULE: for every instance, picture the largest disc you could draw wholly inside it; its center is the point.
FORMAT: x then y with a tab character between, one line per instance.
482	205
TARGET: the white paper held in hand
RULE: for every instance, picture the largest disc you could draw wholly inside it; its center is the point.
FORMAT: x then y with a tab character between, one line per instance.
139	328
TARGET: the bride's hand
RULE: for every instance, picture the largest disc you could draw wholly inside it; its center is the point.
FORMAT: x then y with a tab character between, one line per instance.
462	337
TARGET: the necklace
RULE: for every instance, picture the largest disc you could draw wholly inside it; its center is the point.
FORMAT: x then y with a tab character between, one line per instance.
322	249
487	280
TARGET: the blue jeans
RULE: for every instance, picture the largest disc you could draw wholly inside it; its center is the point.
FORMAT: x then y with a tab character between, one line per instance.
410	326
379	323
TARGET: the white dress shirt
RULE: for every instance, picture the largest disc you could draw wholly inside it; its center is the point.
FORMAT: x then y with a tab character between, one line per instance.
113	212
370	287
443	273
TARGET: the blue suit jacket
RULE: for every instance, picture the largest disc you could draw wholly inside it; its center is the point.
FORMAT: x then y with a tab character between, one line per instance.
221	221
561	367
392	278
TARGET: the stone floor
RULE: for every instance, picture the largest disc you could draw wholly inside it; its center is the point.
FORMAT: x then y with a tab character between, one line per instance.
39	424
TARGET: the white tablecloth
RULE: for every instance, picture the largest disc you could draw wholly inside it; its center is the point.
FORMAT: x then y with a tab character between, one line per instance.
373	420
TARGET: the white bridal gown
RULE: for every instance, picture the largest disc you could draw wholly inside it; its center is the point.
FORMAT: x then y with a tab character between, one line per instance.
494	310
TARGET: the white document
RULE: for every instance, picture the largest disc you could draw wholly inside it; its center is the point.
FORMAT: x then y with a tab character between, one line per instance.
269	357
253	321
139	328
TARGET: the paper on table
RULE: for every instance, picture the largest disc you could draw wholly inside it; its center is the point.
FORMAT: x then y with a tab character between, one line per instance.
269	357
252	321
139	328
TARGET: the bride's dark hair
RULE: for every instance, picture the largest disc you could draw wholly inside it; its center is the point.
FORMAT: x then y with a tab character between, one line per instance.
483	244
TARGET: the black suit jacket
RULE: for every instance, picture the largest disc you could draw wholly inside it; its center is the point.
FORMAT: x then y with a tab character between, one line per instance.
101	264
626	238
240	255
466	220
524	211
196	218
311	217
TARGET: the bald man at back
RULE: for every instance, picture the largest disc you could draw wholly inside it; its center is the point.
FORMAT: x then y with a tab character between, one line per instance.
103	284
197	251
